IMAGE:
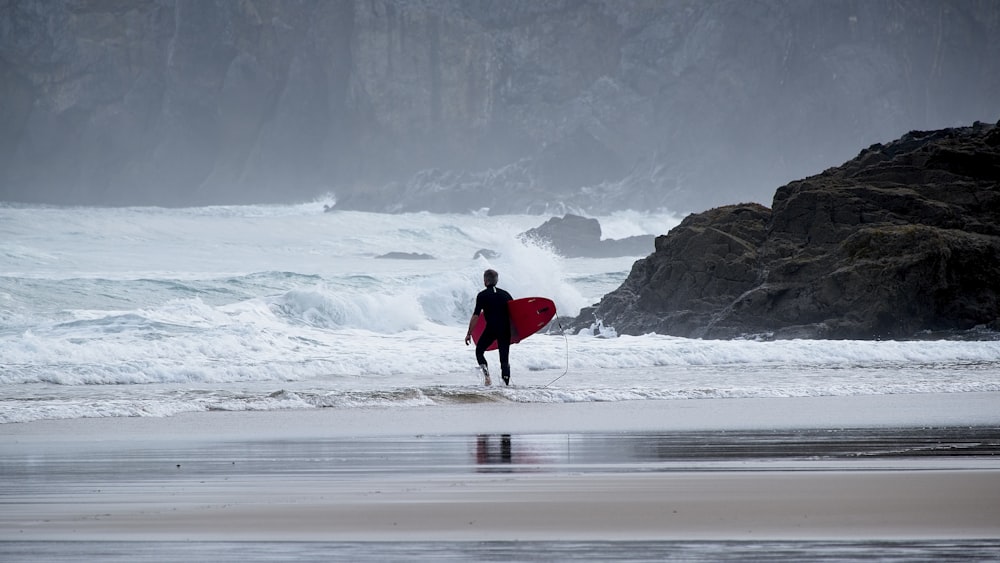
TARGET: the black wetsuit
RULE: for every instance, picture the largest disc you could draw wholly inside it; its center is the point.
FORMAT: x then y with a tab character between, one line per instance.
492	304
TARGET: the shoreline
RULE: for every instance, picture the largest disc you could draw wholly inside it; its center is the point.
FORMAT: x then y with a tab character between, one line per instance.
860	411
873	468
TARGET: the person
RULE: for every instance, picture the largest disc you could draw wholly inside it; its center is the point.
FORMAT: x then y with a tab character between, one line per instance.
492	304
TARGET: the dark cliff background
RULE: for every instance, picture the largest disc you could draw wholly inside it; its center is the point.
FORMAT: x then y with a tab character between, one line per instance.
451	105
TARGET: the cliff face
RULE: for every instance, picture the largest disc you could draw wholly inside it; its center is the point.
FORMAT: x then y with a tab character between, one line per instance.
902	239
450	105
171	102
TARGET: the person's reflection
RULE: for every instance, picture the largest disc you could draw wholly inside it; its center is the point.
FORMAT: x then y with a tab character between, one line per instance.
490	455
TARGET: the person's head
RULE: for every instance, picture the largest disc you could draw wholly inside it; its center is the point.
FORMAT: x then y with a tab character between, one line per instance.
490	277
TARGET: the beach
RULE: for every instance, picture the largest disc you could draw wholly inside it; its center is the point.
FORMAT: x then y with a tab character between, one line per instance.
896	468
250	383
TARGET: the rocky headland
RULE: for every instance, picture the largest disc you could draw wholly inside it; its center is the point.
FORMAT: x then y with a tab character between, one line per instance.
901	241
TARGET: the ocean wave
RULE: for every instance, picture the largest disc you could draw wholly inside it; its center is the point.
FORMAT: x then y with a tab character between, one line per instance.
122	312
193	342
320	307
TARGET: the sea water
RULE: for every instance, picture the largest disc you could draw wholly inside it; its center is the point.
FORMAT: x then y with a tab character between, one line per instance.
152	312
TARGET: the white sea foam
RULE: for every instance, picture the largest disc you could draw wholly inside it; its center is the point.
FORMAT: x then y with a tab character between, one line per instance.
151	312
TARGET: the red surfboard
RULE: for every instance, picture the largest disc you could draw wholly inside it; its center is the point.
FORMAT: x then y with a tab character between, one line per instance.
528	315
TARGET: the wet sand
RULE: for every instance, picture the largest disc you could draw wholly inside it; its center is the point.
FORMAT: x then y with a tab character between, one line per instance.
902	467
679	506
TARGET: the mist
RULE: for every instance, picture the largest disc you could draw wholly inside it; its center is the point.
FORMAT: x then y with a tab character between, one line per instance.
454	106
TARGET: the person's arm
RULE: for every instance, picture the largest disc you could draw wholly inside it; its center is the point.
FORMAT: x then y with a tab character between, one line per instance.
472	324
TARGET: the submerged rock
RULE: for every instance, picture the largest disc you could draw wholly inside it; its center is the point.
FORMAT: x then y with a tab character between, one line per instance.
405	256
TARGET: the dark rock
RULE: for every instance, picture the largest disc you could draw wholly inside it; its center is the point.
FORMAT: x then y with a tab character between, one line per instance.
703	264
570	235
405	256
573	236
905	238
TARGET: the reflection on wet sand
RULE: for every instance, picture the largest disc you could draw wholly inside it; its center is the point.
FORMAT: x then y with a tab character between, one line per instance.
799	491
493	451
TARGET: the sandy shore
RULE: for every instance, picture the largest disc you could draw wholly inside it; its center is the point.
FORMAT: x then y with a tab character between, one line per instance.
892	467
684	506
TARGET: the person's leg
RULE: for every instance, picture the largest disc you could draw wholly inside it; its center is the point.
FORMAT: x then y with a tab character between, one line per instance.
503	346
484	342
481	347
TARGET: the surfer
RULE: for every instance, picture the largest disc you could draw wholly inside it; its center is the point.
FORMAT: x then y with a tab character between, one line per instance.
492	304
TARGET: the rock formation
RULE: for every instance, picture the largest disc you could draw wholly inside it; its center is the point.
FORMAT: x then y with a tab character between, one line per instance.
573	236
903	239
540	106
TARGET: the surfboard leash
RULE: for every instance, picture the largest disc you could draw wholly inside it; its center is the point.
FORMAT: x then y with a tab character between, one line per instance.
566	340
